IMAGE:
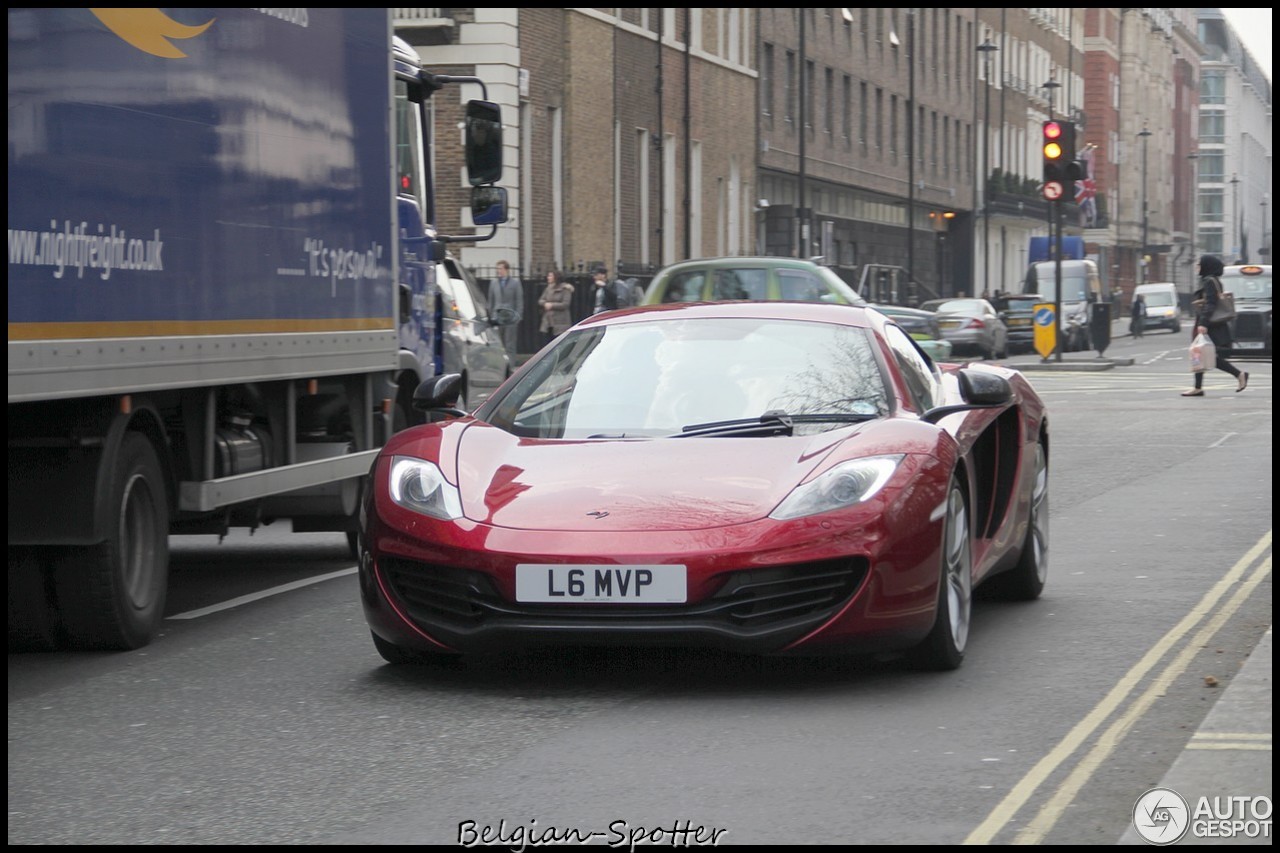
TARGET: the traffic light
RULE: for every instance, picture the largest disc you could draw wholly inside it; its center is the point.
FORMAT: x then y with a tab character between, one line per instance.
1061	170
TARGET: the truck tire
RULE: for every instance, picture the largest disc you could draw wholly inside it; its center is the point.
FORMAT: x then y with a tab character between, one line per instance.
111	595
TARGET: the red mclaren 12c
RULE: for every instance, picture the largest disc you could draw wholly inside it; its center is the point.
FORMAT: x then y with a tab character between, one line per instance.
766	477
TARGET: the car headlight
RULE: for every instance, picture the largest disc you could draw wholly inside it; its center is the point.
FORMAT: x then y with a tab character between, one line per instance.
844	485
418	485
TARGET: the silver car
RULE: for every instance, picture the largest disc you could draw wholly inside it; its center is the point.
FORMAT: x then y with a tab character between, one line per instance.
971	325
471	343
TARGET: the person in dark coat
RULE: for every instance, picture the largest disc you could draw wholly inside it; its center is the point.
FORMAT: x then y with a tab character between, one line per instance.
1138	316
1206	300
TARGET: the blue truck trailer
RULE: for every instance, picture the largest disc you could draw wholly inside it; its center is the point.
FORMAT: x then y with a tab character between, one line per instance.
222	250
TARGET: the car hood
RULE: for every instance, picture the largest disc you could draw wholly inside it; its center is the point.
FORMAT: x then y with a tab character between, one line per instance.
658	484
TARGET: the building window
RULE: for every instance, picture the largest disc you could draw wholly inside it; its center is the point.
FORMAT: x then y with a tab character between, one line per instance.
809	83
862	116
879	121
789	88
893	128
846	125
1213	87
766	79
1210	205
829	117
1212	167
1213	127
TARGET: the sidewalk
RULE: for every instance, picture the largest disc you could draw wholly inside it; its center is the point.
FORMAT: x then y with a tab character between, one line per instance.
1230	754
1078	361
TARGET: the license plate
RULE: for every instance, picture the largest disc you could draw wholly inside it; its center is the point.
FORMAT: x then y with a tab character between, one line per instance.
1248	344
949	324
578	584
1019	321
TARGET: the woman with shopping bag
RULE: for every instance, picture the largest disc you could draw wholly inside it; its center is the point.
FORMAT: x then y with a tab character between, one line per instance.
1214	311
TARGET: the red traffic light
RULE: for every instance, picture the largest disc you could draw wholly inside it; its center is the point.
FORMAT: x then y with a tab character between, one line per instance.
1052	130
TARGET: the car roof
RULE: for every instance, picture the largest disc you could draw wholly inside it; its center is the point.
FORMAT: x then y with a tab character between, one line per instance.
740	261
824	312
1238	269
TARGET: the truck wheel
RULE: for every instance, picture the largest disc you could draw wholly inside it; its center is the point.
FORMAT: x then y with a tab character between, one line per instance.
111	595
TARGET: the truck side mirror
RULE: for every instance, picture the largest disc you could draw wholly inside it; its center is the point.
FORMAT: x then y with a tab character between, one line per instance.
483	143
488	205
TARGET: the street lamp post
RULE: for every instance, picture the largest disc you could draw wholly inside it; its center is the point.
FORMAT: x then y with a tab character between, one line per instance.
1142	250
1235	214
986	48
1264	248
911	142
1193	225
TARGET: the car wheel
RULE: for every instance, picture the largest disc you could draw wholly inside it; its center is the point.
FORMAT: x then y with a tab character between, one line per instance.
399	655
944	647
1025	581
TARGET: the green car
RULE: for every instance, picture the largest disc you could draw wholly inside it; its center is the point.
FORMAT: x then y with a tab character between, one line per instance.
759	279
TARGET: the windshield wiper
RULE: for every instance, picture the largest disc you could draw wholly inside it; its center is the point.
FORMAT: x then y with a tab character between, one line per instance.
773	422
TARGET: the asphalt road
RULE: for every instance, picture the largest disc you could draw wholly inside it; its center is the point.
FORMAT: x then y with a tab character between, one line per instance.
264	715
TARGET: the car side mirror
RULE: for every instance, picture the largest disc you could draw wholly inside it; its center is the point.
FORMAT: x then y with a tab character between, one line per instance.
440	394
980	389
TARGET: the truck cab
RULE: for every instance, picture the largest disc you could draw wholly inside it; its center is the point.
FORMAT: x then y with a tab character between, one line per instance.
1081	287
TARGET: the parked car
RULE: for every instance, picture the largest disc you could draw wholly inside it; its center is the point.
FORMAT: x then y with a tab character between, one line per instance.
1161	298
472	345
1251	329
721	279
972	325
922	326
1017	312
766	477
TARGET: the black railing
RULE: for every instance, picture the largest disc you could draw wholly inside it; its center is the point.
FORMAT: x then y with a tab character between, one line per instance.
528	339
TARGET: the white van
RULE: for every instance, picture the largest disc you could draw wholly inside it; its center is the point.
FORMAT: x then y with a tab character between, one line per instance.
1162	305
1081	287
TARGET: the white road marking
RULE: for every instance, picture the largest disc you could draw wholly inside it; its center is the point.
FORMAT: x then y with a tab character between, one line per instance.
258	596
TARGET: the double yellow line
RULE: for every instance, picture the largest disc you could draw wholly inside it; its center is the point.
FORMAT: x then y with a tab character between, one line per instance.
1205	620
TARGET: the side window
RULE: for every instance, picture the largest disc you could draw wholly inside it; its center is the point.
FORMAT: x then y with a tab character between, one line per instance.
800	286
740	284
917	370
685	287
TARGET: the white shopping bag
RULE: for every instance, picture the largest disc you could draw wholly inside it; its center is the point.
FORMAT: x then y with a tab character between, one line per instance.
1202	354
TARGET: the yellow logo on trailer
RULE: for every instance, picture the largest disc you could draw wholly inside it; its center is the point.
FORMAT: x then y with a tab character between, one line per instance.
1046	329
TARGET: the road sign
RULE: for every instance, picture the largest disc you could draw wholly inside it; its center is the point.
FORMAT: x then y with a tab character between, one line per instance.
1046	331
1052	190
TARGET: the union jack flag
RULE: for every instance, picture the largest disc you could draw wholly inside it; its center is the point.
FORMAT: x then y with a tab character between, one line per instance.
1087	190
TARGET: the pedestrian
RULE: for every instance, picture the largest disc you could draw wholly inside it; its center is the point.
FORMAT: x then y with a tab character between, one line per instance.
1138	316
554	302
1206	300
507	292
606	298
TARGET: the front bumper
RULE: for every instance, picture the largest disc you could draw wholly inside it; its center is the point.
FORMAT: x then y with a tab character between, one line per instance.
863	579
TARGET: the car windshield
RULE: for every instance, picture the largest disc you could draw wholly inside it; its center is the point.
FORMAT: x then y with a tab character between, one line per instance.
1248	287
655	378
1158	299
1075	283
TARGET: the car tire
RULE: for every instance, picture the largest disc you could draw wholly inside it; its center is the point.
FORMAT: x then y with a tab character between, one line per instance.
1025	581
944	647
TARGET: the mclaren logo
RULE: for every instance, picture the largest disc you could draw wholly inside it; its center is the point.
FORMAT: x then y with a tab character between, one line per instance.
599	513
149	30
